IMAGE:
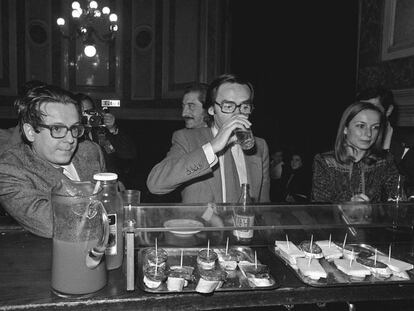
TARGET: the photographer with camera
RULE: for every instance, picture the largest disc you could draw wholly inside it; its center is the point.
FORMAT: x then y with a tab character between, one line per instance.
118	148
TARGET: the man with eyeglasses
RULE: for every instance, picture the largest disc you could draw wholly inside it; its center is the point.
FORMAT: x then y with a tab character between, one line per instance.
50	126
205	163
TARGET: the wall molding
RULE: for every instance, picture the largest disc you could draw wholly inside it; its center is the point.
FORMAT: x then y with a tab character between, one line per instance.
405	104
391	48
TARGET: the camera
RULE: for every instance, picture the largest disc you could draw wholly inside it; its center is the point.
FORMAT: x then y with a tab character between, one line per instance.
93	118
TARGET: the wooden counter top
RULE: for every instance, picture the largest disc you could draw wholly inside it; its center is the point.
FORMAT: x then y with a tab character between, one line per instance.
25	274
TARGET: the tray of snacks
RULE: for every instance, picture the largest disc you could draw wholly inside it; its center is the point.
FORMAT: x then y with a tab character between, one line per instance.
201	270
325	263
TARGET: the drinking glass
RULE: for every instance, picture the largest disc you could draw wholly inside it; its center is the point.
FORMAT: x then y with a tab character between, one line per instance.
131	196
399	195
245	138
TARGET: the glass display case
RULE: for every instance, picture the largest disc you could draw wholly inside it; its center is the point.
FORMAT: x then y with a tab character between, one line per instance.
324	245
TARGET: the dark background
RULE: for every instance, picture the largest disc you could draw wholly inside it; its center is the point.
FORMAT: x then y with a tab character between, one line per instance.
302	59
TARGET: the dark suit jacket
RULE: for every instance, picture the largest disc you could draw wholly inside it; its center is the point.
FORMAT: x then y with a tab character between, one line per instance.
298	184
399	142
186	165
26	182
119	151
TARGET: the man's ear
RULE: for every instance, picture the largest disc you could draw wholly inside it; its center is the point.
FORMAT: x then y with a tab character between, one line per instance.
29	132
389	111
211	111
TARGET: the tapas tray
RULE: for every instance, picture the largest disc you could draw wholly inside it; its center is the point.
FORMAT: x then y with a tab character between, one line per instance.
234	281
335	277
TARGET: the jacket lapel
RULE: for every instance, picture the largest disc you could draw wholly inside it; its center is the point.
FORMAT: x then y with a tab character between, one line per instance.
253	168
41	167
82	168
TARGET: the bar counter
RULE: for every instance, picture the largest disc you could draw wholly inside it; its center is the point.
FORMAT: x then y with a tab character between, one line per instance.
25	274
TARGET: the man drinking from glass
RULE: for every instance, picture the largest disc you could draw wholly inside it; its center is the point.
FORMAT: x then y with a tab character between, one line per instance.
50	126
206	163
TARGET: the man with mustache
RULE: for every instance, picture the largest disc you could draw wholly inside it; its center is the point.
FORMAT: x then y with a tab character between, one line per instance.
193	113
50	123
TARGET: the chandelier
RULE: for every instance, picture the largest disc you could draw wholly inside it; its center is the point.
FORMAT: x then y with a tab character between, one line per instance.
91	24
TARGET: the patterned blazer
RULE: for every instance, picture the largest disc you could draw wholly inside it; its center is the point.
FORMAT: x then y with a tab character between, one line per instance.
26	182
335	182
186	166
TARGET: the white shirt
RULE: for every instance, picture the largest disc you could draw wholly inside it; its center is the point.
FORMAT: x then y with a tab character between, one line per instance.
238	157
70	171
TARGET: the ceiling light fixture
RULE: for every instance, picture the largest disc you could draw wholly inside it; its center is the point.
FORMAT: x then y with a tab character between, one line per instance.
88	21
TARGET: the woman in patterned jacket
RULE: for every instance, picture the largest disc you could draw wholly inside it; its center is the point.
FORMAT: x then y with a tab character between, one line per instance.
358	169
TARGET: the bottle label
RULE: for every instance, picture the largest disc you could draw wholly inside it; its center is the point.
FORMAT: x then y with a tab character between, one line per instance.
243	221
111	249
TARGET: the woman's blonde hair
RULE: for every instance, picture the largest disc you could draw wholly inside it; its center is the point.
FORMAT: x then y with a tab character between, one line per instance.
341	144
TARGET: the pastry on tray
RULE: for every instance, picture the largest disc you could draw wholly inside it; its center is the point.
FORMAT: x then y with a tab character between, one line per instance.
185	272
257	275
237	254
311	268
206	259
351	251
175	283
353	269
178	277
378	268
227	261
210	280
315	252
329	250
402	275
394	264
288	251
154	276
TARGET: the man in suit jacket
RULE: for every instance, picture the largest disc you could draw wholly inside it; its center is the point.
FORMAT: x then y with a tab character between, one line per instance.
206	163
50	123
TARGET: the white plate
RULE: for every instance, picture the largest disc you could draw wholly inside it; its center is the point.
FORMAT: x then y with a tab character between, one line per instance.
183	223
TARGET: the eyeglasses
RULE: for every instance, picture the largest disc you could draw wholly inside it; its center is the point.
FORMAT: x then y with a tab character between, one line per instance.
60	131
230	107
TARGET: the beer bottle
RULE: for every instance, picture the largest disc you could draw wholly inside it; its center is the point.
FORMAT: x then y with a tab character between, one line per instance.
244	217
